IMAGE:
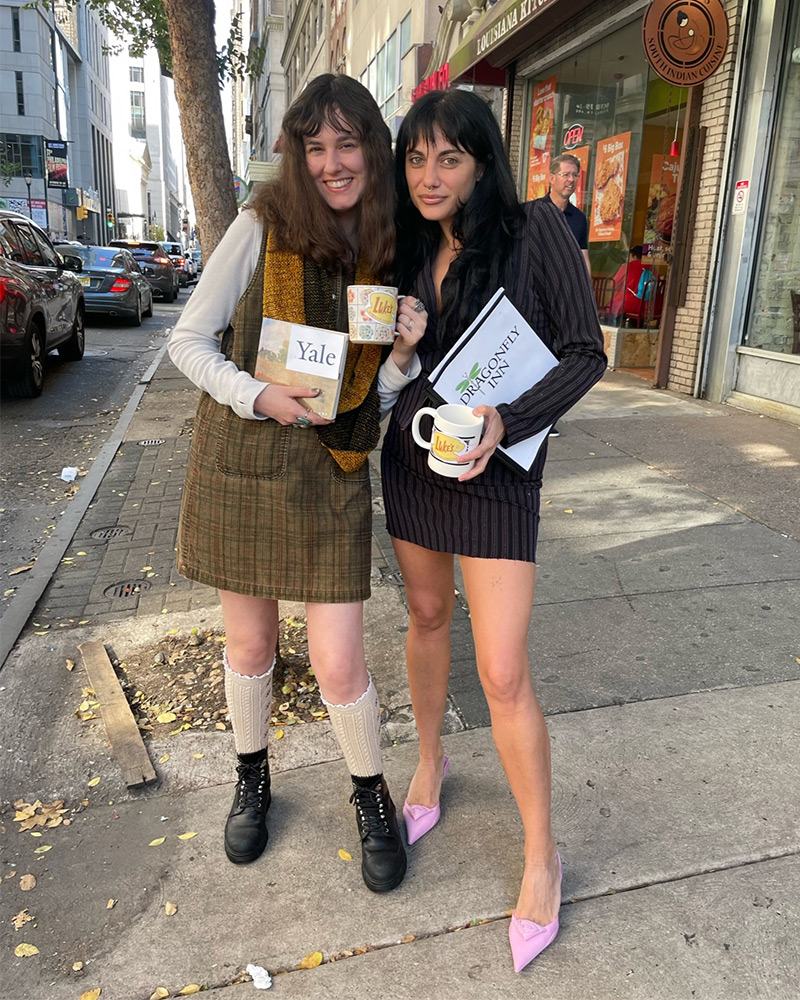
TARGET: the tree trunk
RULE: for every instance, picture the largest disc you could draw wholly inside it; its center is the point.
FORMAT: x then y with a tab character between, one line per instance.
197	91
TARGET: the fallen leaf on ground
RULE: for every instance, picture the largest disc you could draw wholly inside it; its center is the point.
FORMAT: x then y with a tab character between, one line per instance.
21	918
278	734
93	782
20	569
166	717
111	904
157	841
27	882
345	855
26	950
70	664
408	938
91	994
311	960
163	759
187	836
170	909
77	966
188	990
222	726
568	510
161	993
43	849
198	756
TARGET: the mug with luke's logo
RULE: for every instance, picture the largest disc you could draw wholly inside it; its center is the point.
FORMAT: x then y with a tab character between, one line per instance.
371	313
456	429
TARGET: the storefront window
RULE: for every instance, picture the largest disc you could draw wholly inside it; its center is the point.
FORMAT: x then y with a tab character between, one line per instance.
775	310
603	106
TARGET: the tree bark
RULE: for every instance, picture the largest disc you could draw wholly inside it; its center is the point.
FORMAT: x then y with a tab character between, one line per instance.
197	91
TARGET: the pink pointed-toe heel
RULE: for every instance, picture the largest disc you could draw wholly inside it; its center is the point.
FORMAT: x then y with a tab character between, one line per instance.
529	939
422	819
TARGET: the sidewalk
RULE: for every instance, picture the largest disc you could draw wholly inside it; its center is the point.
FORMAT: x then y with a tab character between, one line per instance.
665	653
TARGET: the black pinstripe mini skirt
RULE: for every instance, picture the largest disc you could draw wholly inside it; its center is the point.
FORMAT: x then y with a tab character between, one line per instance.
483	520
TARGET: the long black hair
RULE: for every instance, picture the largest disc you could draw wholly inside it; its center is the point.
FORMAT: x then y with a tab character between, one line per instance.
291	205
485	227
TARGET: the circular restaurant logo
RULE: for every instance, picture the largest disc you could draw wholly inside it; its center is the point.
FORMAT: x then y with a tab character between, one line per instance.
573	136
685	40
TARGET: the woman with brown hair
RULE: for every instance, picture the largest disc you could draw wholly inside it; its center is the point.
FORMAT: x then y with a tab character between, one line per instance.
277	501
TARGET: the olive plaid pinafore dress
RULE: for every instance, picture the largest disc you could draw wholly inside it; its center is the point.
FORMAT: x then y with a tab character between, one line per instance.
266	511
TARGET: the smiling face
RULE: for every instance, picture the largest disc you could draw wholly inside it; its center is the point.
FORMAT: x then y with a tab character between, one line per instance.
335	160
441	177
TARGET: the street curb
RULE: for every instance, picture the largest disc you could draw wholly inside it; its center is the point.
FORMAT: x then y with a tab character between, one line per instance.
47	562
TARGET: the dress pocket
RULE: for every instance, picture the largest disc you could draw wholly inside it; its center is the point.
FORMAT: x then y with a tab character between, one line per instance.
252	449
359	477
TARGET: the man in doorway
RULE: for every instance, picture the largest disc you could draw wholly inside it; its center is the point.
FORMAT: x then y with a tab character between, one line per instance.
564	172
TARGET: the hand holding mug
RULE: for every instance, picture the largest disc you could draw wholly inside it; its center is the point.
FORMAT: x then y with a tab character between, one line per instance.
412	321
494	430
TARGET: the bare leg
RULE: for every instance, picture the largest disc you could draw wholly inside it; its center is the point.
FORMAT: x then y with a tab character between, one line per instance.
336	650
501	590
429	580
251	631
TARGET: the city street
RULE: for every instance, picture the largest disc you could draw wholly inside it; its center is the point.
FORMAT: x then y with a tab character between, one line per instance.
65	427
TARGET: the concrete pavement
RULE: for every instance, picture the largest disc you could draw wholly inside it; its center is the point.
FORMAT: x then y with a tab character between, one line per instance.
665	652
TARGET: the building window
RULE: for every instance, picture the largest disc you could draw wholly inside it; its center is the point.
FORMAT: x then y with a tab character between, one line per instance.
774	314
20	94
15	32
25	151
138	121
137	74
405	34
383	78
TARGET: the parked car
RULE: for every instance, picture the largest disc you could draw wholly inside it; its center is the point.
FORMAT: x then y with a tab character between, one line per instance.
41	304
184	264
197	257
113	283
153	259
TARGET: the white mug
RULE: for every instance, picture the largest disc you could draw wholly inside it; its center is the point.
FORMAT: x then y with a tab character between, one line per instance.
371	313
456	429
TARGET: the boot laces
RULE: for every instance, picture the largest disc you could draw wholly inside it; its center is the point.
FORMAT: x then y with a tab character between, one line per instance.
371	809
252	782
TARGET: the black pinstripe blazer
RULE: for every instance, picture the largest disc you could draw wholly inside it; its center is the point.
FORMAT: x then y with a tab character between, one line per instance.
553	292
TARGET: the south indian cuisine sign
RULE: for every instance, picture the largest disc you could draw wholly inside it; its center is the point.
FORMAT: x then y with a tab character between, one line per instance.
685	40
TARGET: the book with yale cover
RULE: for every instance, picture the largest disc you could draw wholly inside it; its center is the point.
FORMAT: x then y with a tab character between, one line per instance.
293	354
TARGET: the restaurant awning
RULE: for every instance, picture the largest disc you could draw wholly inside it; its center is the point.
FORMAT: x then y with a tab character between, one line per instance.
508	29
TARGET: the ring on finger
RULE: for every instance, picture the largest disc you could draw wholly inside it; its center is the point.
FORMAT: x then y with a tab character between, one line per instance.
419	306
303	422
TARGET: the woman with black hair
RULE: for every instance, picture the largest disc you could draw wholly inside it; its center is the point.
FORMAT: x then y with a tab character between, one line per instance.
461	235
277	502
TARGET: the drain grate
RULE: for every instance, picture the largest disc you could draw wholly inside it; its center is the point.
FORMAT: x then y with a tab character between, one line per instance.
149	442
114	531
127	588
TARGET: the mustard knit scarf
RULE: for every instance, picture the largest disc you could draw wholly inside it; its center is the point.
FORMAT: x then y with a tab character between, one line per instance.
355	432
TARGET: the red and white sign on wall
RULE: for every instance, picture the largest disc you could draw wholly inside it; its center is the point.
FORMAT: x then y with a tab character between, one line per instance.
740	197
573	137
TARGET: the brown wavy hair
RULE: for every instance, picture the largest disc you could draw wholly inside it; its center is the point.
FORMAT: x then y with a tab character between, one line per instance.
292	207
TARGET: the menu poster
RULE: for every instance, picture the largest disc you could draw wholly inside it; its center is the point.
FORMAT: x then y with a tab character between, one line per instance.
661	197
608	196
579	197
542	118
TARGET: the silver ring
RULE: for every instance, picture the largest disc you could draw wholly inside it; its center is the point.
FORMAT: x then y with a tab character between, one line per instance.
419	306
303	422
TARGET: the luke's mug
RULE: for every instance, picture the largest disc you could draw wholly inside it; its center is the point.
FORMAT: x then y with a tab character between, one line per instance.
456	430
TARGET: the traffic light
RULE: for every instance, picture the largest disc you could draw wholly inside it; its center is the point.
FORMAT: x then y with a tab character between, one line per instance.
110	220
82	212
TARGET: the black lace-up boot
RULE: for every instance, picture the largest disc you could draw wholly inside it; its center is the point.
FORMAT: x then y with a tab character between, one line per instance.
246	830
383	857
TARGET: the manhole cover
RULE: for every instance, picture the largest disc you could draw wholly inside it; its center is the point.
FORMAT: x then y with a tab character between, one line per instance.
127	588
112	532
149	442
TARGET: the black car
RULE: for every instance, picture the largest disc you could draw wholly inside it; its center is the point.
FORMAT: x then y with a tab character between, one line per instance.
41	304
153	259
113	283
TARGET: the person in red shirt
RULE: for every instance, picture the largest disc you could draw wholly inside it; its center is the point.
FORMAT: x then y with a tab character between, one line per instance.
629	288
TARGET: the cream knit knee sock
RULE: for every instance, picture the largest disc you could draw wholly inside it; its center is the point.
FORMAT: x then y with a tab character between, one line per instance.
357	728
249	704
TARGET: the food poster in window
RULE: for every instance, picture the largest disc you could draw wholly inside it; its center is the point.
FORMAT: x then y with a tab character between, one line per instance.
661	196
608	194
541	142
